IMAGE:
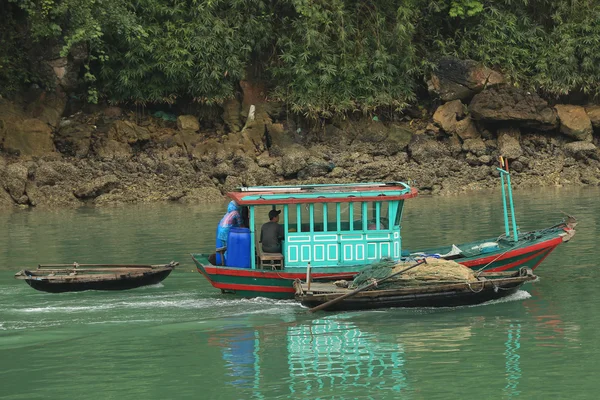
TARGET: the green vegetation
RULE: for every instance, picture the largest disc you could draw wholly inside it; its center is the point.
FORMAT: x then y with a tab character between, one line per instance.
321	57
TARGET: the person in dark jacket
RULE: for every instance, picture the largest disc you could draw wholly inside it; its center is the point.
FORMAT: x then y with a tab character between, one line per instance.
271	233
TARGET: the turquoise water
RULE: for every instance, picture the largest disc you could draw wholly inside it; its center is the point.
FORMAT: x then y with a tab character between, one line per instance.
183	339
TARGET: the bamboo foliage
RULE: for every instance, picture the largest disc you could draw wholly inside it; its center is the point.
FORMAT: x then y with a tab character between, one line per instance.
321	57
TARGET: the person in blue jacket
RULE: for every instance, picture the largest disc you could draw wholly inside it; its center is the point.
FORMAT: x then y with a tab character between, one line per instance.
231	219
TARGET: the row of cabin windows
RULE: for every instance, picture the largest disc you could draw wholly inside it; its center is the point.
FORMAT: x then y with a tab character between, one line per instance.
334	217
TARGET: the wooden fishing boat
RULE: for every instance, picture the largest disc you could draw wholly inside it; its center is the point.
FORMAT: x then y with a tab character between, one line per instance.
57	278
337	230
489	286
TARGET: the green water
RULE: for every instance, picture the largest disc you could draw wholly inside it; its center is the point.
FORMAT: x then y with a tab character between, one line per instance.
183	339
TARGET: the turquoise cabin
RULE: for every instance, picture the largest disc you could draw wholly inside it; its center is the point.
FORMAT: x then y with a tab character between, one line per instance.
328	225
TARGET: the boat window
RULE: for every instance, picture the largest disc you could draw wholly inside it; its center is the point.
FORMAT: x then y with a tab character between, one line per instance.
399	205
377	215
357	219
331	215
344	216
292	218
303	215
319	217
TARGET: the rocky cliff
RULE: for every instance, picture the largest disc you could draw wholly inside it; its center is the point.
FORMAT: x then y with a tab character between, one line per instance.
51	158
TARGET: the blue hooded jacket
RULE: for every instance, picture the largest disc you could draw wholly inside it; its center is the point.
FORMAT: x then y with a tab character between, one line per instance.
229	220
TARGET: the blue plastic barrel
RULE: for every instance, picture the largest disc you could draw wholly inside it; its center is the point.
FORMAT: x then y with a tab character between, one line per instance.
238	248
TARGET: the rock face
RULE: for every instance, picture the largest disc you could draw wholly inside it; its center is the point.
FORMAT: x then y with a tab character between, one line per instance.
574	122
48	107
22	135
461	79
514	105
231	115
106	157
188	123
28	137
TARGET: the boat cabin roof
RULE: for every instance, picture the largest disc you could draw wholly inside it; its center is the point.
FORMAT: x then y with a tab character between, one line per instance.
324	193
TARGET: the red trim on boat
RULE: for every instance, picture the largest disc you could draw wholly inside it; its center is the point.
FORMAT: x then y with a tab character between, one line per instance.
522	261
250	273
239	197
513	253
254	288
543	258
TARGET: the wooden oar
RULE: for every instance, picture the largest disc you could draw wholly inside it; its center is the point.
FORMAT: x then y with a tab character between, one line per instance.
356	291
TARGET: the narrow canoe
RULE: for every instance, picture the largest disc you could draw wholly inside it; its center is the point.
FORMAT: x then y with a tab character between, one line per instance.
58	278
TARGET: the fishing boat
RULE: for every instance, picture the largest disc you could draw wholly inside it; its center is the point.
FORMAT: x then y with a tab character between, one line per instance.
489	286
57	278
336	230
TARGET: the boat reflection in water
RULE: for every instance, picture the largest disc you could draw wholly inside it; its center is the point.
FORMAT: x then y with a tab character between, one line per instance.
239	349
349	355
513	364
329	354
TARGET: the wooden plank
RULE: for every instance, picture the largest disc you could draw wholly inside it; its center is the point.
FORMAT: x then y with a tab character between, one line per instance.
102	265
69	270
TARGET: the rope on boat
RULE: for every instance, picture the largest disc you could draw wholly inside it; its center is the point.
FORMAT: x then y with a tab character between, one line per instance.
480	270
478	291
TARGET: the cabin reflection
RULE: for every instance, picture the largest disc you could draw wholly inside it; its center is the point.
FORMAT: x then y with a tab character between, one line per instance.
328	354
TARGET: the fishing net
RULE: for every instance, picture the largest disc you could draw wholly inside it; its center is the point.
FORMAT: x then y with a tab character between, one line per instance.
435	271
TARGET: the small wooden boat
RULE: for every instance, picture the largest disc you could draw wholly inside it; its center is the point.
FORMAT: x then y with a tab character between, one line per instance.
57	278
489	286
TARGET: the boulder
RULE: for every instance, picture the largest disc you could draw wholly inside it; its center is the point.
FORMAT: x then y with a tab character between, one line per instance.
188	122
111	149
74	140
314	169
128	132
510	104
15	180
28	137
398	138
5	200
581	150
423	149
466	129
593	113
574	122
475	146
46	175
461	79
294	159
447	115
96	187
508	143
